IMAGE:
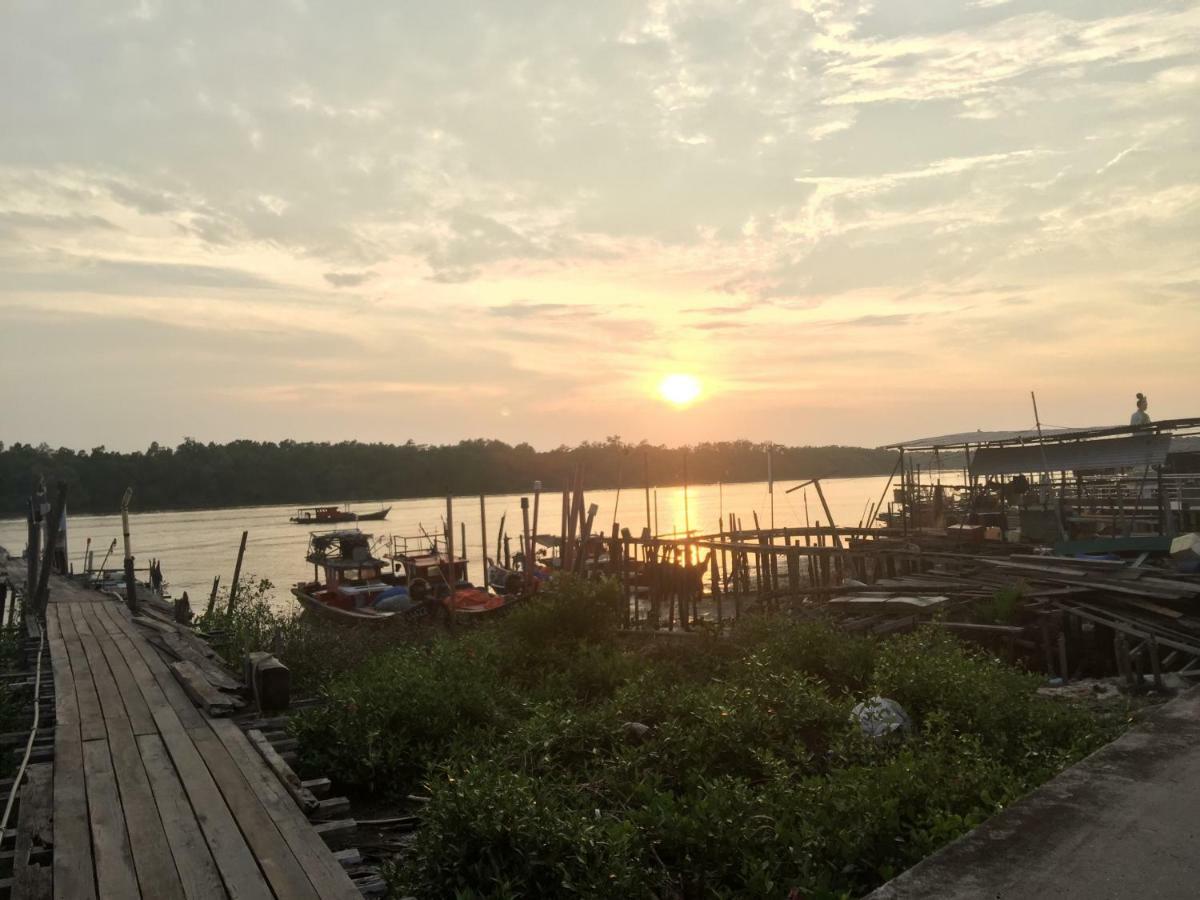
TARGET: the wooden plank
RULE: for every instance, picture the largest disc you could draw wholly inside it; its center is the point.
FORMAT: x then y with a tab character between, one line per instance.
91	717
229	851
283	871
194	863
115	874
211	700
111	706
66	710
73	872
82	628
32	879
131	639
305	798
182	649
63	619
53	631
136	710
152	857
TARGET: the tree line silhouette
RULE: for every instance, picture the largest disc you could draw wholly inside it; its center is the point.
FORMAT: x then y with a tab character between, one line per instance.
244	473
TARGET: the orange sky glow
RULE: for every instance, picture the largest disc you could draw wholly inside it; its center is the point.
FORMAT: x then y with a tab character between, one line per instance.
850	222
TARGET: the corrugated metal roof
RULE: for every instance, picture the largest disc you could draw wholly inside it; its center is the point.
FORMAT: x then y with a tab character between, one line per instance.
1114	453
949	441
974	437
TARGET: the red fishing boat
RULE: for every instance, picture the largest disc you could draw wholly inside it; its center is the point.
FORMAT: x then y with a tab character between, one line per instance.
352	585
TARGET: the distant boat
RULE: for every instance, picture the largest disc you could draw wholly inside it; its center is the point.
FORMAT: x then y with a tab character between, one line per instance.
333	515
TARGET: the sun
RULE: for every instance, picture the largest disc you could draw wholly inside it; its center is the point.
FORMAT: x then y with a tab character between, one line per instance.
679	390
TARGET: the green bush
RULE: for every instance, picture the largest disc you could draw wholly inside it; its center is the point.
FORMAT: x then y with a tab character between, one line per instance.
314	651
750	779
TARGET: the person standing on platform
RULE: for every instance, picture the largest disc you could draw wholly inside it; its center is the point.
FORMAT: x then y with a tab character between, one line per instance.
1140	417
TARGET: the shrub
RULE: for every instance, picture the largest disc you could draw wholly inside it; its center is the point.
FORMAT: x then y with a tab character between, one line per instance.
750	781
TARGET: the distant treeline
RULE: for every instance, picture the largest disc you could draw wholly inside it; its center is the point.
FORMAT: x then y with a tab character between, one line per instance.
243	473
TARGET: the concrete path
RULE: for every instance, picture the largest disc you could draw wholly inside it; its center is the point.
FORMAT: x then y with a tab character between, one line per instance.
1125	822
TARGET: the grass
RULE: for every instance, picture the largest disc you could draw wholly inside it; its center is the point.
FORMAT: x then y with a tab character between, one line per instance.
750	780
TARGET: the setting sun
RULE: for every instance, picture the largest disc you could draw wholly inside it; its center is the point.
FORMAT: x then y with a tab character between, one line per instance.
679	390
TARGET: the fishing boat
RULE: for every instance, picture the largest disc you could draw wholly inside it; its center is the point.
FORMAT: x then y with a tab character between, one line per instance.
356	587
422	564
334	515
411	583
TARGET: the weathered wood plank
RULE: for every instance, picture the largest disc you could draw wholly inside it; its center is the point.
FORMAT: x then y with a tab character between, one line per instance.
211	700
74	878
136	710
305	799
156	873
32	879
82	628
323	870
132	638
228	848
91	717
66	709
115	874
198	873
112	708
183	649
283	871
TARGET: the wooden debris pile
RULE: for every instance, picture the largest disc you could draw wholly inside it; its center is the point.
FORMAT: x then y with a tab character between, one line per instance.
1066	615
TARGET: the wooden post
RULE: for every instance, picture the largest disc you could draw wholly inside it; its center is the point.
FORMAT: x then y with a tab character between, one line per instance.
562	534
483	540
32	552
525	546
837	541
716	585
584	534
1062	657
53	525
131	597
237	574
793	564
1155	663
687	522
451	581
533	535
646	470
212	598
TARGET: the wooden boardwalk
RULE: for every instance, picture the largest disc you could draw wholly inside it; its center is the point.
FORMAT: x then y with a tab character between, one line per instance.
151	797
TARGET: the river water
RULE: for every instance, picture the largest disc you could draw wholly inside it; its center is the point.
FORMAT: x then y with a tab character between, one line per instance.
195	545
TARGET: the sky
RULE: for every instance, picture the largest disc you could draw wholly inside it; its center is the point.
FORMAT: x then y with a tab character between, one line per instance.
851	222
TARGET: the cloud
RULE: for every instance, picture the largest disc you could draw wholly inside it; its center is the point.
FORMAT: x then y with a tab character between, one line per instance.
684	184
348	279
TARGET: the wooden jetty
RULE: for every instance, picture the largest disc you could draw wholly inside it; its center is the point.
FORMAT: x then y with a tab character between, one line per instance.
147	796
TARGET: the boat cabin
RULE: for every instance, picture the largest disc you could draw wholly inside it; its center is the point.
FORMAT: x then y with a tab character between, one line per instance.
318	514
421	558
347	574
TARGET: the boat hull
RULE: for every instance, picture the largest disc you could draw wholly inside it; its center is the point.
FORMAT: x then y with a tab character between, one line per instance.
343	616
342	517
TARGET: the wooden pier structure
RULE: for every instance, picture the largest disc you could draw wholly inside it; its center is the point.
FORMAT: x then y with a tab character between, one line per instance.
147	796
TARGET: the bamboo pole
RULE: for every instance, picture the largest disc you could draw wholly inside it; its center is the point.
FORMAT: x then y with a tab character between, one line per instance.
450	575
527	570
483	539
131	598
237	573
